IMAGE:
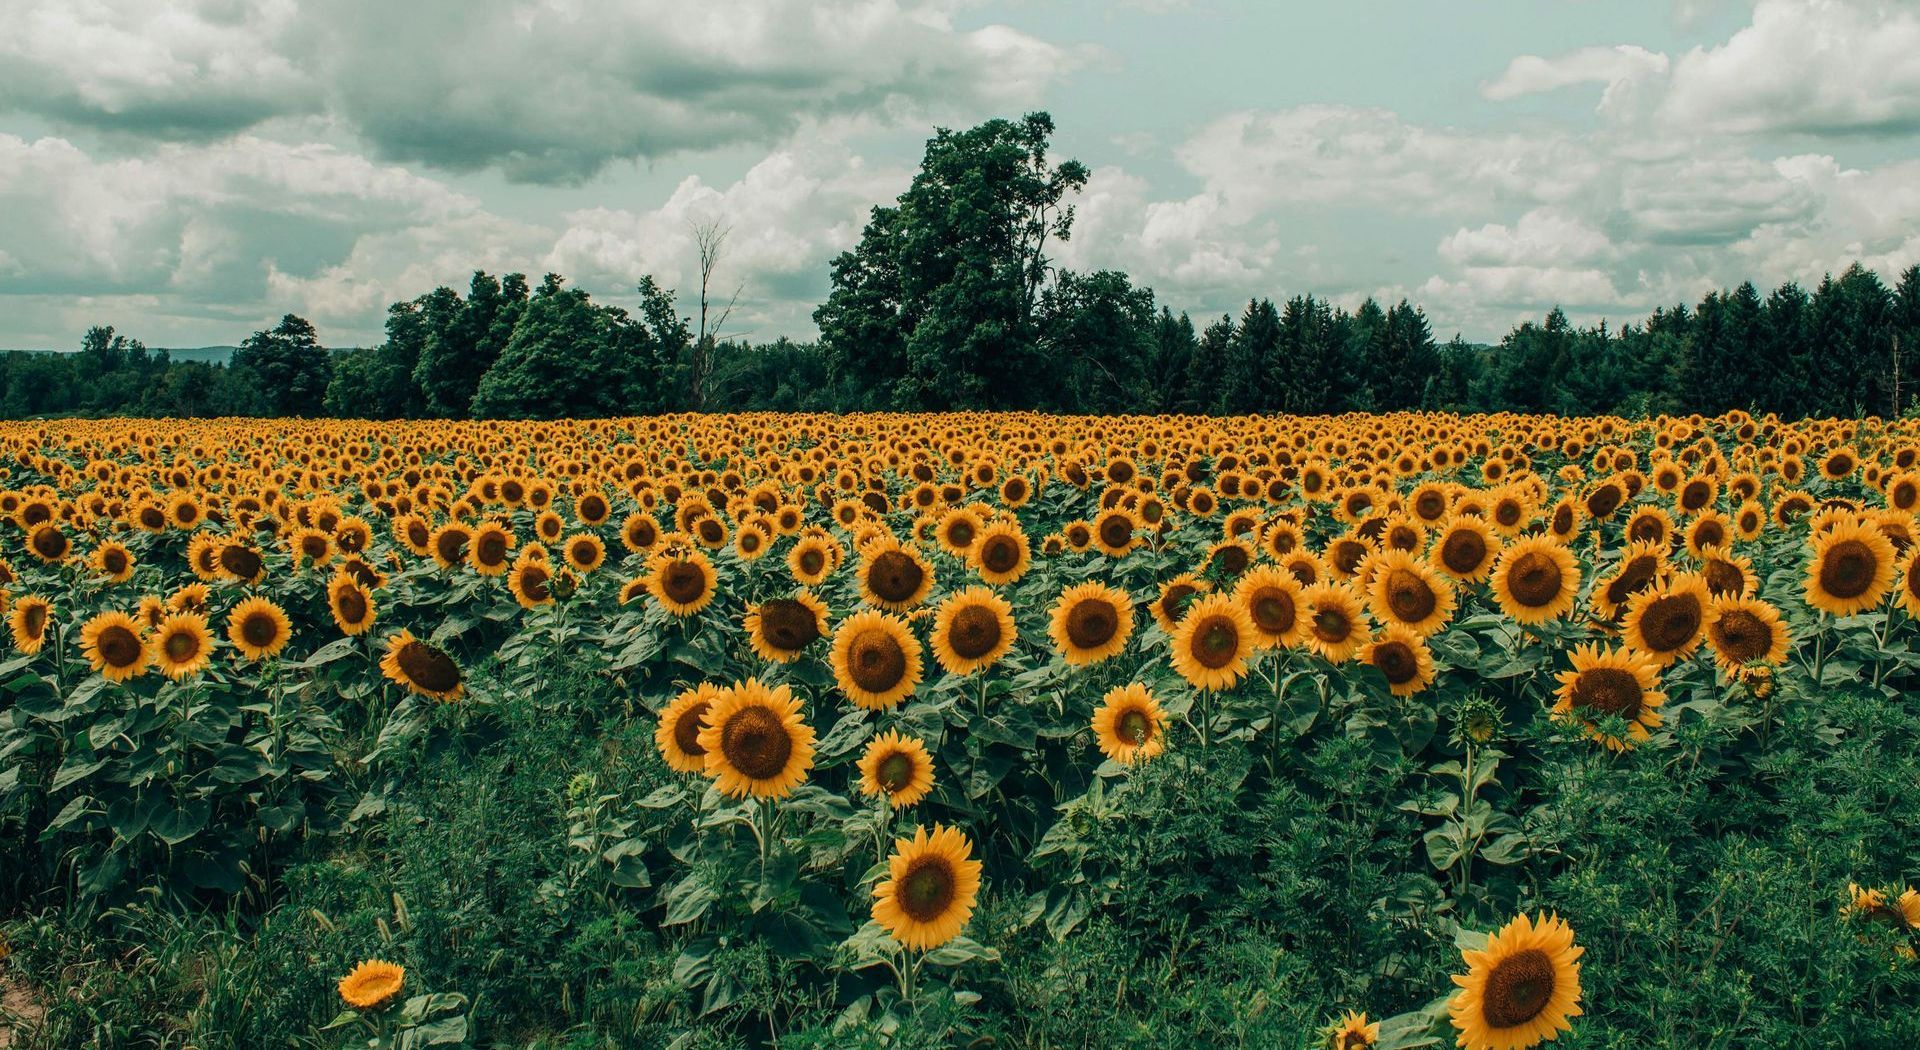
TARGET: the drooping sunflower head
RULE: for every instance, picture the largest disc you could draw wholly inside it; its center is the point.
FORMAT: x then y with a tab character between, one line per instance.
1212	641
423	668
932	886
876	659
1521	989
972	630
1130	725
1090	622
1609	684
678	732
1536	580
258	628
780	629
897	768
756	742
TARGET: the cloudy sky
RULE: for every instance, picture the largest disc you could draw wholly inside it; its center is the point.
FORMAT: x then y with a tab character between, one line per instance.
188	170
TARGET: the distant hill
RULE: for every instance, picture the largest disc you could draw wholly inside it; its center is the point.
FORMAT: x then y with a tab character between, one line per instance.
213	355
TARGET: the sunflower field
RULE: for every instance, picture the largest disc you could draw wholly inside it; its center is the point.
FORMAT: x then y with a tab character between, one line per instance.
980	730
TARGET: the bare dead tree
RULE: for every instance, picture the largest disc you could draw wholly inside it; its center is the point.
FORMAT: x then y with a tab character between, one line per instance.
710	243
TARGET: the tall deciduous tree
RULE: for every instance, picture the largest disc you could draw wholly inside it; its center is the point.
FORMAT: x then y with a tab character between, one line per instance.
290	368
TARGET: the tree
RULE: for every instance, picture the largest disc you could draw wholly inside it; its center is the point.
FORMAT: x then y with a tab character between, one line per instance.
460	347
935	307
288	366
710	242
1097	332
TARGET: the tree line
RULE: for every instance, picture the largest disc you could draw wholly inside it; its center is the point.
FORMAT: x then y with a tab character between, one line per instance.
950	301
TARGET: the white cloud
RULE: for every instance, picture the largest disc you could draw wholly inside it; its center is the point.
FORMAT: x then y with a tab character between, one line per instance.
1619	68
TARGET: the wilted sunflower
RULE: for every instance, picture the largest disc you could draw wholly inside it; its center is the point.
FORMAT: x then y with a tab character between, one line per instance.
780	629
1130	725
1353	1032
1271	598
351	604
682	582
898	768
1522	989
1001	554
1668	621
1607	683
972	630
372	984
113	645
1212	641
258	628
1743	631
1403	657
1851	569
876	660
756	742
1335	619
1409	593
1465	548
931	888
1090	622
182	645
423	668
1536	580
678	731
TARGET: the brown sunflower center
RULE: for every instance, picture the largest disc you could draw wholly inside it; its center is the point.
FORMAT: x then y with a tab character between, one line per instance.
1671	621
1273	610
1430	505
1092	623
875	660
812	561
1347	555
1604	500
491	549
928	888
1632	578
1724	577
351	604
240	560
756	742
114	561
1000	554
50	543
683	581
582	552
533	582
1133	727
895	576
119	647
1410	598
451	546
788	624
259	630
1174	600
1847	569
960	534
1116	530
35	620
1519	987
1535	579
182	646
1608	691
1463	550
1216	641
429	668
1742	636
1331	625
686	730
1396	660
974	632
894	772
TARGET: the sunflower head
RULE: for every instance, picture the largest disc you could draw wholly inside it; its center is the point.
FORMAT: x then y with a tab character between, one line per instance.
1521	989
1611	688
1091	622
182	644
678	731
932	886
876	659
755	741
1212	641
372	984
423	668
1130	725
780	629
897	768
258	628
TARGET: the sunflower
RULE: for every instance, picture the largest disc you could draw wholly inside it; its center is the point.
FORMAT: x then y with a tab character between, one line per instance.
678	731
1130	725
972	630
1667	622
258	628
531	581
113	645
683	582
1001	554
1639	567
27	620
1271	598
1523	988
1607	683
894	577
423	668
113	561
1114	531
1353	1032
372	984
1743	631
1851	569
639	532
1909	592
351	604
755	741
182	644
876	659
238	561
1212	641
1175	595
1535	580
584	552
930	890
957	531
1090	622
812	560
489	548
1336	626
1465	548
1408	593
1727	575
897	768
780	629
1403	657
